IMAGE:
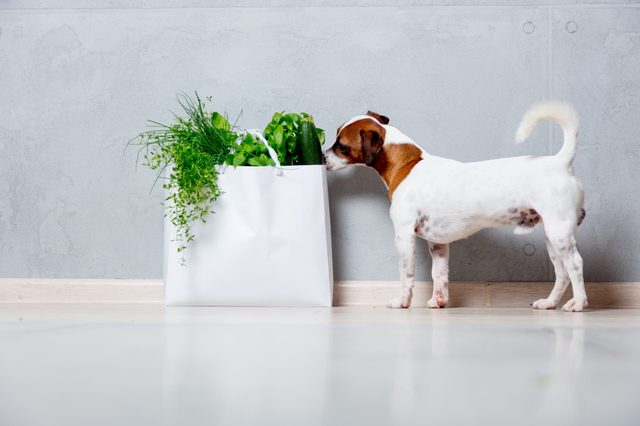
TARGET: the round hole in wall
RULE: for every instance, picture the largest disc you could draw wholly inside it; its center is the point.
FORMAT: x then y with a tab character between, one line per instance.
528	27
571	27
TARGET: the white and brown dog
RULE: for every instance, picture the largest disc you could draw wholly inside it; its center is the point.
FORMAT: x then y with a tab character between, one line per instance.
443	200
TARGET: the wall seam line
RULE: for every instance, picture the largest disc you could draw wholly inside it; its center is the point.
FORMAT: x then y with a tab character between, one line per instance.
550	275
389	6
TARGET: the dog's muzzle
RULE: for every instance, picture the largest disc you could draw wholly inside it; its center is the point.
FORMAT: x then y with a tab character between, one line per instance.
332	161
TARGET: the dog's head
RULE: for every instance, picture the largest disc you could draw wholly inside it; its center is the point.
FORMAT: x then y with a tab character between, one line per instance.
358	141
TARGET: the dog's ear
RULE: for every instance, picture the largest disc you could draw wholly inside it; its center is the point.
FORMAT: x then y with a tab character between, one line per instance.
381	118
371	145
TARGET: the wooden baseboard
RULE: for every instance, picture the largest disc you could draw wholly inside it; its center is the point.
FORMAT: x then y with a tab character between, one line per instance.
485	294
44	290
346	293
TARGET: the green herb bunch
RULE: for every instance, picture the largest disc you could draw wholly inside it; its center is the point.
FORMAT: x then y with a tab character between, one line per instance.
189	149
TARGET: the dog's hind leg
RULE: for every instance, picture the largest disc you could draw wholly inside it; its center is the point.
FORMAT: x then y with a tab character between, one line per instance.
561	284
440	275
406	248
560	234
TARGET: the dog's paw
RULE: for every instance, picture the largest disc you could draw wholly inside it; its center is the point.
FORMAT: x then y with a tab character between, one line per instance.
399	303
439	300
435	303
544	304
575	305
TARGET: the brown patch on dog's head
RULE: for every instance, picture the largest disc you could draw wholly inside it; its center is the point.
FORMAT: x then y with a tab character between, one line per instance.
358	142
361	141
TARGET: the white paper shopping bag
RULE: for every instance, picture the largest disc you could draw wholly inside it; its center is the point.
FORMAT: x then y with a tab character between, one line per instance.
267	244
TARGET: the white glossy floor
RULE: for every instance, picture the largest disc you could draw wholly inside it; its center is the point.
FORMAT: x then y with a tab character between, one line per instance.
148	365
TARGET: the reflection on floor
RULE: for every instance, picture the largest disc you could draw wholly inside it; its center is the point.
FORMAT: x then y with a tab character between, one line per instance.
149	365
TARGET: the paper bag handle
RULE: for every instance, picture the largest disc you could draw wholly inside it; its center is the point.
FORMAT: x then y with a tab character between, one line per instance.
272	152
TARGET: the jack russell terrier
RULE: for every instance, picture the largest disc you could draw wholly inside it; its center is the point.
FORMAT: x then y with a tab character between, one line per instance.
442	200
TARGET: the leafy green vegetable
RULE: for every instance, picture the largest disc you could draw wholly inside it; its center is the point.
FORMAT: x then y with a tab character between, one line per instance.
282	135
250	152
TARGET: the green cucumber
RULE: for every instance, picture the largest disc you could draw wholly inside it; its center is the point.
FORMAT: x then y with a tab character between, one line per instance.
309	150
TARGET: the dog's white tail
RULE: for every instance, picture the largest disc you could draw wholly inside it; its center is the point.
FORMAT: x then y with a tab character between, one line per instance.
563	114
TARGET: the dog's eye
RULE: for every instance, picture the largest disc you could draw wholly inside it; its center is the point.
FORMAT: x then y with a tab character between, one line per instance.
342	148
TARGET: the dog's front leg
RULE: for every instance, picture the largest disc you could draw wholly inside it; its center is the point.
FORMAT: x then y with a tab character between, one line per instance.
440	275
406	248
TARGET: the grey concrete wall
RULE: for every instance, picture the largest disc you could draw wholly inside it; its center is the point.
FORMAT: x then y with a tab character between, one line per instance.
79	78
